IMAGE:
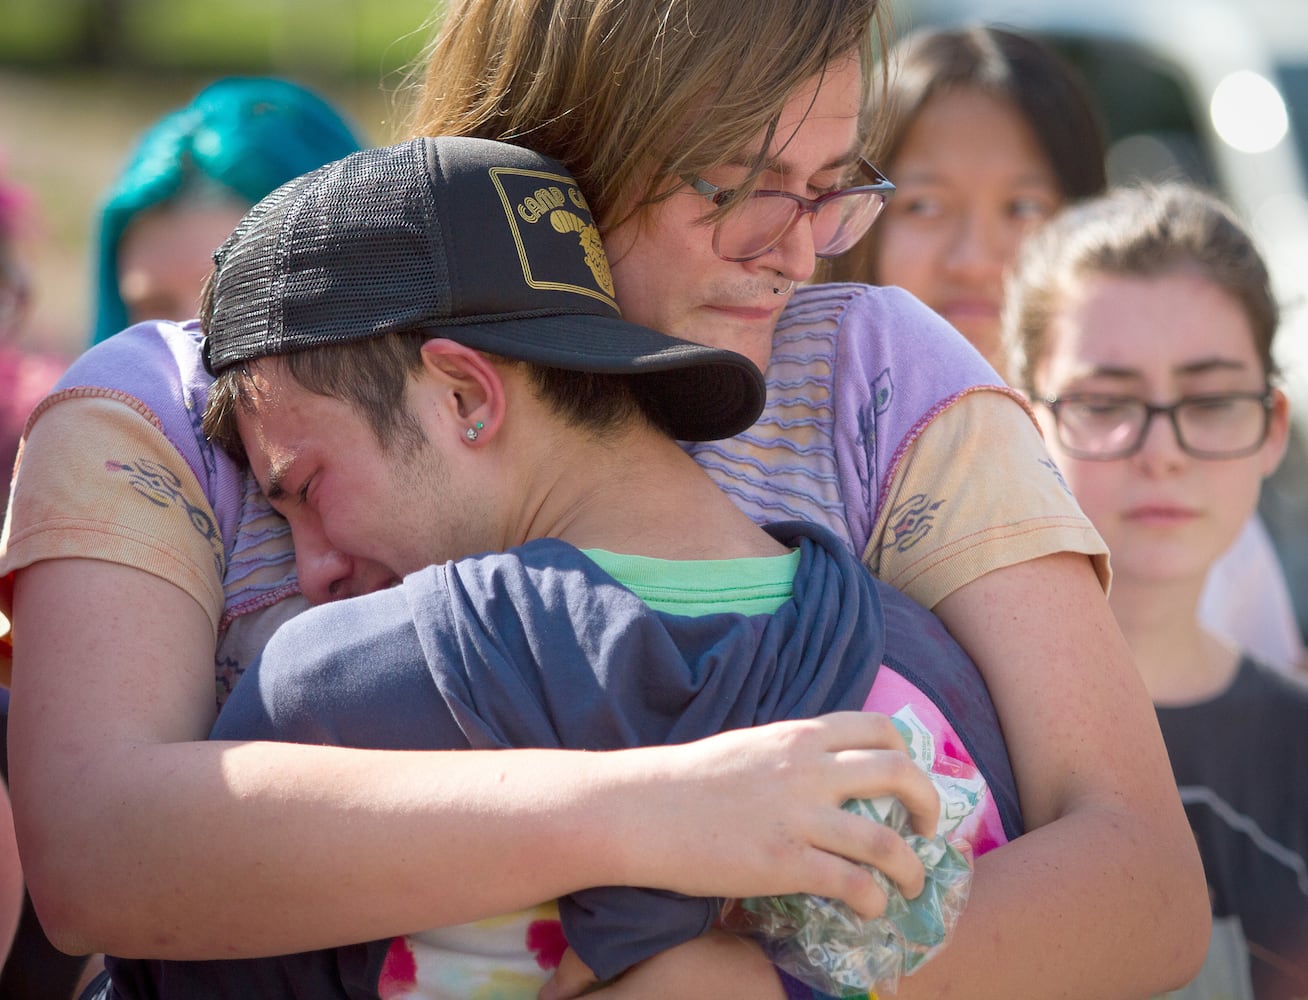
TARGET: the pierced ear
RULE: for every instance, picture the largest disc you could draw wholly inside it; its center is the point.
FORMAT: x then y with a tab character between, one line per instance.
471	390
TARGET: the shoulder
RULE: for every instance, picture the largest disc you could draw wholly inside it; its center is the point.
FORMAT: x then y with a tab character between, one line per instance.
359	634
541	578
135	357
1262	708
156	369
882	307
874	329
842	301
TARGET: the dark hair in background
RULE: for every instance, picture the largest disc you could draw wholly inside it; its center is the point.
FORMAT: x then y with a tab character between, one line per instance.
1046	90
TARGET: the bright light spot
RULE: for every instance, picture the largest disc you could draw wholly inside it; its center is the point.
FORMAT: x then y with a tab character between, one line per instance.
1248	112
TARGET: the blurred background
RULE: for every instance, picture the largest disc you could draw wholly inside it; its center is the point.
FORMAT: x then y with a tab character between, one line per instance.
80	80
1215	90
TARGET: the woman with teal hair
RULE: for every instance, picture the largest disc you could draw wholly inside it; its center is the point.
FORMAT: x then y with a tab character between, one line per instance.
188	182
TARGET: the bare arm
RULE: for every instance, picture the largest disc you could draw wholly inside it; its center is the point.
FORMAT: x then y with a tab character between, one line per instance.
1105	895
142	839
715	964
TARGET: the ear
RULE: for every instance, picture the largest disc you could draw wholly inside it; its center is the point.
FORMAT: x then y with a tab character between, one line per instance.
1278	432
468	388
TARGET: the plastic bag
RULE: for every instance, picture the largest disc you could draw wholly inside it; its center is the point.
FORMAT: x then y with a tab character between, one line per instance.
826	945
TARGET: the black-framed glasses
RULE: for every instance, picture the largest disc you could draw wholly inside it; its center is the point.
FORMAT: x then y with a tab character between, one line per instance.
762	220
1211	426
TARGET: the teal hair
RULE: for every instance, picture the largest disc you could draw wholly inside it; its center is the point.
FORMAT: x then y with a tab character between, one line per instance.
242	136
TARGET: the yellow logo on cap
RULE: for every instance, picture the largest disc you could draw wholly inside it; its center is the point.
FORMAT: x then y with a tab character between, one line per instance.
554	202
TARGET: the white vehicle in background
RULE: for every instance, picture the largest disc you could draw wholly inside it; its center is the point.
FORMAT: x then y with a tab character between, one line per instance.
1215	91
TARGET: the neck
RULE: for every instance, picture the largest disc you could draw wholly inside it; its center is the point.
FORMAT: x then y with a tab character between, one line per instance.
1178	659
635	492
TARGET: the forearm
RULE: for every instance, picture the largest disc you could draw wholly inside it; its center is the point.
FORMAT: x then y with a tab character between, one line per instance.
1045	918
270	848
166	849
140	838
1105	895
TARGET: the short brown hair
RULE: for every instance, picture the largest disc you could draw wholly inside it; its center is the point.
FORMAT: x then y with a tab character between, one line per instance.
373	376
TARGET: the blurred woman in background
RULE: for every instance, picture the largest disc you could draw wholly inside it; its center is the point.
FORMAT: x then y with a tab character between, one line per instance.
987	133
187	183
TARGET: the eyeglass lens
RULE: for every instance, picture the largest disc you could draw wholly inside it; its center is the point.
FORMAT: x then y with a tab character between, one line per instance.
765	218
1218	426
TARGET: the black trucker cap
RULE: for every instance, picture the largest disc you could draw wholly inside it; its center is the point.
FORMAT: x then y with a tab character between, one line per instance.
481	242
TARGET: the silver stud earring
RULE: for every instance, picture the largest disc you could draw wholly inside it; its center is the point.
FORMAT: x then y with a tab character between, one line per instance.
471	432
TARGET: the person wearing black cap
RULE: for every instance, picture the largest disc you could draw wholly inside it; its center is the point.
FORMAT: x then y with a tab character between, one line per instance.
514	430
142	570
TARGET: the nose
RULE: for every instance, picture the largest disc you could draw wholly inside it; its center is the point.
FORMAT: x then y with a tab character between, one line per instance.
1160	447
981	247
793	257
324	571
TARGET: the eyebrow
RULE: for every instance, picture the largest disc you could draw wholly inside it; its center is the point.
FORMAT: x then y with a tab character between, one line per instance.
774	164
1200	366
935	175
1205	365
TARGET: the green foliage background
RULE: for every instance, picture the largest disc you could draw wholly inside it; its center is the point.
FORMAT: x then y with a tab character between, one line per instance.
358	38
80	80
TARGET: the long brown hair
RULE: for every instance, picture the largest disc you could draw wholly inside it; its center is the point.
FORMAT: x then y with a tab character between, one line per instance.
632	95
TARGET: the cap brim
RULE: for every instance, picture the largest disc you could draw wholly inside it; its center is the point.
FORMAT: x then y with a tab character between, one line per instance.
700	393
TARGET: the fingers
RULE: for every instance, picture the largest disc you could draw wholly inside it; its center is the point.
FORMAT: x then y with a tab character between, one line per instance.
863	841
849	883
875	773
780	789
571	979
852	731
872	760
866	758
